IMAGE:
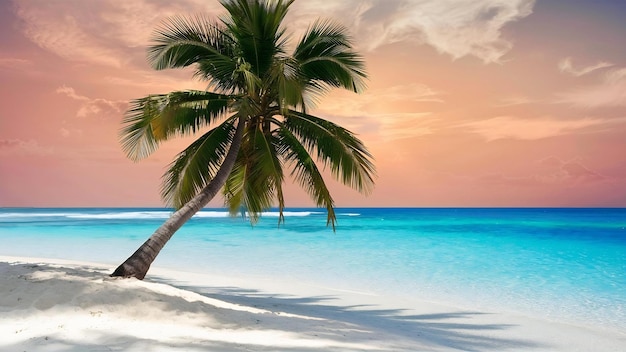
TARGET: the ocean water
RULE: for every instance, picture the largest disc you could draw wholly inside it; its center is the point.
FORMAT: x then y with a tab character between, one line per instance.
561	264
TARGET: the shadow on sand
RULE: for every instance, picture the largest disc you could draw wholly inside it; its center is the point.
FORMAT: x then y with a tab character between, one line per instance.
380	329
320	323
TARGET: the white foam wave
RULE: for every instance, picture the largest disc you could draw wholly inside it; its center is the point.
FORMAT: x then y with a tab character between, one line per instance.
211	214
129	215
289	213
124	215
30	215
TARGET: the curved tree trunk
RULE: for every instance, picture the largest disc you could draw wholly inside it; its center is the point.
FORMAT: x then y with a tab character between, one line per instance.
138	263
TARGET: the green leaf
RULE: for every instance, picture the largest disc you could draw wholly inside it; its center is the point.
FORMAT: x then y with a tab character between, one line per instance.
326	57
155	118
256	180
256	27
349	160
195	166
306	172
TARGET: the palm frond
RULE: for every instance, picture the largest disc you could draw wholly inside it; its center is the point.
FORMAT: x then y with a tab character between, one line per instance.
306	172
155	118
249	81
326	56
195	166
182	41
271	168
256	180
289	86
234	188
349	160
256	26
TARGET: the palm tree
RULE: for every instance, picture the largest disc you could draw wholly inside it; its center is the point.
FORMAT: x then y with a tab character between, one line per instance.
256	115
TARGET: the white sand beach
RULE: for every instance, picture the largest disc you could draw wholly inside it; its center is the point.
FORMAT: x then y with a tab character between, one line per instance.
54	305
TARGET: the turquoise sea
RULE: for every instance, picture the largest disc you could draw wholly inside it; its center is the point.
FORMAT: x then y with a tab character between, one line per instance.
560	264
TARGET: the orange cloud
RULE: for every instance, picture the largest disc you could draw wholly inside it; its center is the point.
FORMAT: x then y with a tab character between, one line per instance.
11	63
567	66
610	92
555	170
97	106
387	113
68	36
22	147
514	100
505	127
99	32
469	28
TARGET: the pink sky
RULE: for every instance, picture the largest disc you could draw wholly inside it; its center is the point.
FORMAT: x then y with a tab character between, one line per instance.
470	103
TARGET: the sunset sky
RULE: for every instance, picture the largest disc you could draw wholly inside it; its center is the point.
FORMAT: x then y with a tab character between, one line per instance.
469	102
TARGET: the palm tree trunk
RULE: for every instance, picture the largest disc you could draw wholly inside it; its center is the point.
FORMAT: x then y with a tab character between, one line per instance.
138	263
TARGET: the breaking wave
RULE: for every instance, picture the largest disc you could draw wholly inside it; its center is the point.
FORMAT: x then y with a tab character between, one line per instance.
129	215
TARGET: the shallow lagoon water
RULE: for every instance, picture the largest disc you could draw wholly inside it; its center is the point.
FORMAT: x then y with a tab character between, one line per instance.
562	264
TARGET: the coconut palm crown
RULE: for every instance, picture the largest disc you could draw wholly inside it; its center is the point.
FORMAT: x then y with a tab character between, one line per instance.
255	113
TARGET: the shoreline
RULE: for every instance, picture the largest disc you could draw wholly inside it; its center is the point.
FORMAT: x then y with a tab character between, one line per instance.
557	265
47	304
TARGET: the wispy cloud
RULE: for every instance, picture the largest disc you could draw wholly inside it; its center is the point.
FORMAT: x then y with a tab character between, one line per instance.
12	63
507	127
343	103
514	100
610	92
558	170
580	172
156	81
547	172
22	147
67	34
566	66
387	112
499	179
452	27
99	32
106	32
386	126
403	125
91	106
414	92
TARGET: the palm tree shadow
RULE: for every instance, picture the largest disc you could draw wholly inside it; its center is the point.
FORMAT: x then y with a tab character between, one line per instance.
220	318
390	329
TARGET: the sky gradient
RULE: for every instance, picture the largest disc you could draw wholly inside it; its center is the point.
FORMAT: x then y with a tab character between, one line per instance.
469	102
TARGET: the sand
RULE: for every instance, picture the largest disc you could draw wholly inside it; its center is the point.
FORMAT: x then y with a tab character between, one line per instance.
54	305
